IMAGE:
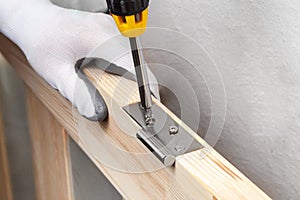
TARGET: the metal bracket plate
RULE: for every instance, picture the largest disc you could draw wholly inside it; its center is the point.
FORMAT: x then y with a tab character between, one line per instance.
161	134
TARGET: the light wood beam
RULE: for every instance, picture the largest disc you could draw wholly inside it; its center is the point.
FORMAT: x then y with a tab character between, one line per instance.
194	176
49	152
5	182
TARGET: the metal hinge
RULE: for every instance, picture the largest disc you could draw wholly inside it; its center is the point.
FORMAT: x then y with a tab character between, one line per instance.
165	138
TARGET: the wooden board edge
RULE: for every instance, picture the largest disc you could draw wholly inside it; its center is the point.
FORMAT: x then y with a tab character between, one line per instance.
182	164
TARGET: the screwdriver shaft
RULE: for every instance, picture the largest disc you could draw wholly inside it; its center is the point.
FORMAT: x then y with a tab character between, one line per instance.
141	72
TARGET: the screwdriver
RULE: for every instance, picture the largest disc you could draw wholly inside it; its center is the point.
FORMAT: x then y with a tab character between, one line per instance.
131	17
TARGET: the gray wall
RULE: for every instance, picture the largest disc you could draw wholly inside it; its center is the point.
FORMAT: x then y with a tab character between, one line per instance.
88	182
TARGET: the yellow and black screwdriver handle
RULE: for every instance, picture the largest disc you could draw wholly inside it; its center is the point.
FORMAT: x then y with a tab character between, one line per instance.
130	16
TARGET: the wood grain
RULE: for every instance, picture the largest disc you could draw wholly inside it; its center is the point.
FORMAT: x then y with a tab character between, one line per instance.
203	174
5	182
49	152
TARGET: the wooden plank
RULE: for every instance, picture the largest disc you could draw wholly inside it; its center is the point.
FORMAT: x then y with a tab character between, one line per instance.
5	182
49	152
203	174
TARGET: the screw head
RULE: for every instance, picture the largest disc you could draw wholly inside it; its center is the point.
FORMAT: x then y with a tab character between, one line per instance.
179	148
173	130
149	121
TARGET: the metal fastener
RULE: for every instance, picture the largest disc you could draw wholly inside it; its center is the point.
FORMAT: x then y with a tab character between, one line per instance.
179	148
149	120
173	130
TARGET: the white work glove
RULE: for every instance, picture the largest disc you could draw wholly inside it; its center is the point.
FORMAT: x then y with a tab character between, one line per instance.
54	39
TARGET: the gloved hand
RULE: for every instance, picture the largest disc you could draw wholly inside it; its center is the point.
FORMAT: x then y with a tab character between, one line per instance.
54	39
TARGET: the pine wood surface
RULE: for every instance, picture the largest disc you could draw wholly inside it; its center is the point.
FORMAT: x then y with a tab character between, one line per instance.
203	174
49	152
5	182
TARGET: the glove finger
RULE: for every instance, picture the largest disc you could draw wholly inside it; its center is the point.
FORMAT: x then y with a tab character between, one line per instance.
87	98
88	101
80	91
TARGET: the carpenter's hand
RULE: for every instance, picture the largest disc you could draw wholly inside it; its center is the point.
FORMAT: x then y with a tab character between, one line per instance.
54	39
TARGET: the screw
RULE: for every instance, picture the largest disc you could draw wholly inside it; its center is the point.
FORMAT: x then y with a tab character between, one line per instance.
179	148
173	130
149	121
